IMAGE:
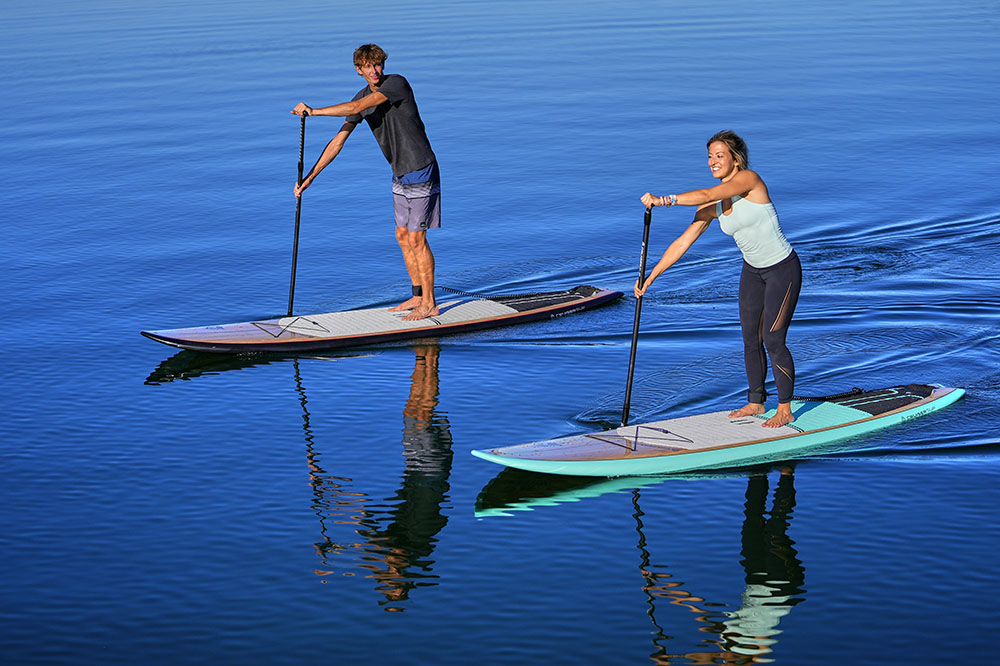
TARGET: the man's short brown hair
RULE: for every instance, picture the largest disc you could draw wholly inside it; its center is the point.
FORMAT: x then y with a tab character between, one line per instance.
369	54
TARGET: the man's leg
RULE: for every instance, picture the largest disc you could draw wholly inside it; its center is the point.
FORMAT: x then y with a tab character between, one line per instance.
414	216
423	274
402	237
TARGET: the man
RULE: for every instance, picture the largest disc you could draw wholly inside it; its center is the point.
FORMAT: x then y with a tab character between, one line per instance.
387	104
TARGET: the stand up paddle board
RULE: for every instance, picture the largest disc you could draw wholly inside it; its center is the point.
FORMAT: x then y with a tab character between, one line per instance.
714	440
353	328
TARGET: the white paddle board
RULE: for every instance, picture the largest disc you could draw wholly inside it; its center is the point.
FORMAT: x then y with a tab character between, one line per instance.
352	328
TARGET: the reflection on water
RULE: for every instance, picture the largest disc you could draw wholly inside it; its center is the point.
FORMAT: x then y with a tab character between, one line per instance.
773	574
187	365
514	490
391	541
774	584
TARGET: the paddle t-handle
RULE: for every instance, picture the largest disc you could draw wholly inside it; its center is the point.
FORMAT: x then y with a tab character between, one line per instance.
638	310
298	215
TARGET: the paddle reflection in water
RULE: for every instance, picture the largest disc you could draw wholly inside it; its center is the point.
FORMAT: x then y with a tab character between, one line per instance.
774	583
396	543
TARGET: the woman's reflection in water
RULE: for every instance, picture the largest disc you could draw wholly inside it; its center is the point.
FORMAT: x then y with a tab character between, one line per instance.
774	578
398	541
774	573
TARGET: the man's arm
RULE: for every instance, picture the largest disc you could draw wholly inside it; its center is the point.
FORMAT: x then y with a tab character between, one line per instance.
342	110
329	153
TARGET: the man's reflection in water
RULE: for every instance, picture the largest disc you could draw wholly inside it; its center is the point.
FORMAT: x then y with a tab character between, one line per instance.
407	534
397	542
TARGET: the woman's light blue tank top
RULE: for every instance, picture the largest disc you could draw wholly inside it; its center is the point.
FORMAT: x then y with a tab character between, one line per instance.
756	231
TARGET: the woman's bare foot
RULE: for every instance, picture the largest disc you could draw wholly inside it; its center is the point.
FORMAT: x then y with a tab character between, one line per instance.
751	409
408	304
783	416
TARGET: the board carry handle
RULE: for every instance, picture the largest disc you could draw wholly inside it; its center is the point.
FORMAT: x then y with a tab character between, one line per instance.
635	323
298	215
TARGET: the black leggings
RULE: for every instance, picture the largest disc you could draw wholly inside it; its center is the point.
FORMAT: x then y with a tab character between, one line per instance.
767	302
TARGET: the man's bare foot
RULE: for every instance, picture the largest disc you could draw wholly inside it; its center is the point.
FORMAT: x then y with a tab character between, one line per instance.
408	304
783	416
751	409
421	313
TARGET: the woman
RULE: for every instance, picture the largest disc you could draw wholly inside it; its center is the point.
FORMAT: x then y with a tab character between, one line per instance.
772	274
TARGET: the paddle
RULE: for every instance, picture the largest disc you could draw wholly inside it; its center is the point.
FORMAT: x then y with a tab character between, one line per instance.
638	309
298	215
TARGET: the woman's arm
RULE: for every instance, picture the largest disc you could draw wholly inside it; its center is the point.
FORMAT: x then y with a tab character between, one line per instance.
745	183
702	219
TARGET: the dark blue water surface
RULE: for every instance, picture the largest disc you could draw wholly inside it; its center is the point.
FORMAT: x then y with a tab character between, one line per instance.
161	507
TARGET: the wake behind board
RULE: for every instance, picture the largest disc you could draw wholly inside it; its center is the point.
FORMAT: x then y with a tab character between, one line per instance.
708	441
352	328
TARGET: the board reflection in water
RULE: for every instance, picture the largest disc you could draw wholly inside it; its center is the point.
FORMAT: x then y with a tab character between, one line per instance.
391	541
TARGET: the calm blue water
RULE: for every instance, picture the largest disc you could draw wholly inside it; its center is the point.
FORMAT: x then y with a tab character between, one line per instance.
161	507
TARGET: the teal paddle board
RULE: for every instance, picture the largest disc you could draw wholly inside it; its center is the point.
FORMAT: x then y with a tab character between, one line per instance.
711	441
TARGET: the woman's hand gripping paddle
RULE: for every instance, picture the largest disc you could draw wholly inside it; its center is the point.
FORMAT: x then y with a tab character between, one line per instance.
298	215
638	309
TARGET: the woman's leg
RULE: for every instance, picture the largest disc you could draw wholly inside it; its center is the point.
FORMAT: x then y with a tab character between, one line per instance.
783	283
752	294
754	357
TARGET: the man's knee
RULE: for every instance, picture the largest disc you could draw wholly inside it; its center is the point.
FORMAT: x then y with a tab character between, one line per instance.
416	240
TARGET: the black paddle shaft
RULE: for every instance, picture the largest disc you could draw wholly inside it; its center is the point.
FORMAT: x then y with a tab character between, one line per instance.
298	215
638	309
